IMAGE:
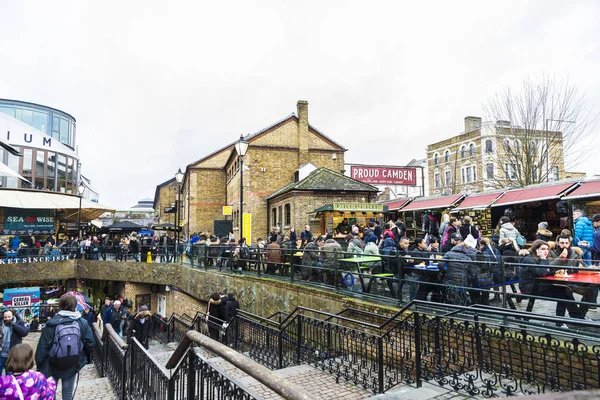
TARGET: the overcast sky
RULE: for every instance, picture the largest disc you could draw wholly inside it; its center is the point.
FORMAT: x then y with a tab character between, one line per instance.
156	85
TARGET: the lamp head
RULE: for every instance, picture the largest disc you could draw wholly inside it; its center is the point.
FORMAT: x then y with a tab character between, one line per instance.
81	189
179	176
241	146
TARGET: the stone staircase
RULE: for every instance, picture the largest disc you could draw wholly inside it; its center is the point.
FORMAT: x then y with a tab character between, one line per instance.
89	386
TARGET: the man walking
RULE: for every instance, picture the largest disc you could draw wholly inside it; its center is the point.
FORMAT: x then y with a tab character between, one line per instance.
12	334
140	327
51	356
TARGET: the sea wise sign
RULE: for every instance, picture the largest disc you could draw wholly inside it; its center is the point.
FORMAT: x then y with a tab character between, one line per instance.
384	175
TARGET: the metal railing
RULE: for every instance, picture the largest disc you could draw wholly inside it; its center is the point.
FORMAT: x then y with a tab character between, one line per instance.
477	350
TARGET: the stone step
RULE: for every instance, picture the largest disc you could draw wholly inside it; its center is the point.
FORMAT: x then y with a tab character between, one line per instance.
90	386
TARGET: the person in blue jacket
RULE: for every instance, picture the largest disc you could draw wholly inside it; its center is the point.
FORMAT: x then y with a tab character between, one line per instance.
15	242
594	247
584	232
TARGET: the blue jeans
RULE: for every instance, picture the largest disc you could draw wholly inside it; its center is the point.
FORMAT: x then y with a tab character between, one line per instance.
2	364
67	387
587	257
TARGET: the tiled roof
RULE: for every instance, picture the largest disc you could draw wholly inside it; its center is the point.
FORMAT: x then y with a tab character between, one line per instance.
324	179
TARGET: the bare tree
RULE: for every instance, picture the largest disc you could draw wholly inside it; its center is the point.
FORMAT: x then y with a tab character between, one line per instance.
542	129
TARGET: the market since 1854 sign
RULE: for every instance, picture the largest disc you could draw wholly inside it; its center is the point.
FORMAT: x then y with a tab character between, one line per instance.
19	222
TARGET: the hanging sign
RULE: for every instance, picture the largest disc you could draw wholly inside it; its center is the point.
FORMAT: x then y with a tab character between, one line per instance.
227	210
247	230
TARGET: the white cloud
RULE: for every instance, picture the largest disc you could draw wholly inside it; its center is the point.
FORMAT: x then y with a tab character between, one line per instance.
155	85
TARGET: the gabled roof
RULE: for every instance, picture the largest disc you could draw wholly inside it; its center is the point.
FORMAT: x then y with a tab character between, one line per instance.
157	192
324	179
252	136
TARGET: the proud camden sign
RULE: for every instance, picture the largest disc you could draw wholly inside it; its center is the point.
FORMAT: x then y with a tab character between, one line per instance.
384	175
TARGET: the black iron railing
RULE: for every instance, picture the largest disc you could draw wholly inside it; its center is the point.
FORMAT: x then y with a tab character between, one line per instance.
473	350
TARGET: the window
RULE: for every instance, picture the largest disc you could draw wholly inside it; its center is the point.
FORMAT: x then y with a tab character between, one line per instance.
506	145
448	178
27	161
463	152
555	173
534	174
509	171
55	126
288	215
279	216
13	163
64	130
274	216
40	161
474	168
490	170
471	150
40	121
469	174
447	156
464	175
517	147
436	178
489	147
436	159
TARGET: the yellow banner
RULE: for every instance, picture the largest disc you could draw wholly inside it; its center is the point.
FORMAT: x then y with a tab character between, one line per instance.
227	210
247	229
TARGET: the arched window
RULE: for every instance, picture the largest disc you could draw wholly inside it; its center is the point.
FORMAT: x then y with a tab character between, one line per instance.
463	152
471	150
489	147
447	156
436	159
506	145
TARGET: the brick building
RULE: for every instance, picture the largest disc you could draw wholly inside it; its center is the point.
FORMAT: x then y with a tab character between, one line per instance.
274	155
492	155
165	197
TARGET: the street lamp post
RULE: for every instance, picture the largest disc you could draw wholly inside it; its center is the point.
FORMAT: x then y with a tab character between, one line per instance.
179	179
80	191
548	144
241	146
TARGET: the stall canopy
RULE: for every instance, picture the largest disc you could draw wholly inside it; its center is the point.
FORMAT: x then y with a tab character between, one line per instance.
36	199
531	194
586	190
478	202
433	203
124	226
396	204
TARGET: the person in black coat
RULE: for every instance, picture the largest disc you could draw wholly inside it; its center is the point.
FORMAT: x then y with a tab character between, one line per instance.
216	315
232	306
140	327
12	333
536	265
89	316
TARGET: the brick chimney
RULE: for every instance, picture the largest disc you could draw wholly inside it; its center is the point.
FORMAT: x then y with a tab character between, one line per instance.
472	124
303	135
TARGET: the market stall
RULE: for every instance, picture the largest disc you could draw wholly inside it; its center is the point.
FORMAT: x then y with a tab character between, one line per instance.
335	217
586	197
423	215
529	206
478	207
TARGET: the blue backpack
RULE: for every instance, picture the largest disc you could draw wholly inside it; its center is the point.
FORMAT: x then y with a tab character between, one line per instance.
66	345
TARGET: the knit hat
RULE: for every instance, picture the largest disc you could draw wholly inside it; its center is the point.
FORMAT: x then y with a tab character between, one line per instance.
596	218
543	225
372	239
144	308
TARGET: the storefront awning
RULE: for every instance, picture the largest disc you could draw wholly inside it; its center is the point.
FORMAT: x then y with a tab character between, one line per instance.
586	190
532	194
396	204
479	202
36	199
353	207
433	203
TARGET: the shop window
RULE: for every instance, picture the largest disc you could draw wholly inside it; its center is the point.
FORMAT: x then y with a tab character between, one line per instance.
436	159
447	156
471	150
489	147
288	215
463	152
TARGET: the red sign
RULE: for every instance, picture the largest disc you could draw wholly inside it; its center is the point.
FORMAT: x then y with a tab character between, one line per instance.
384	175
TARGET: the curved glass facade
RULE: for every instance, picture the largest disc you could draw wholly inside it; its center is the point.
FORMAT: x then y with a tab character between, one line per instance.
54	123
45	169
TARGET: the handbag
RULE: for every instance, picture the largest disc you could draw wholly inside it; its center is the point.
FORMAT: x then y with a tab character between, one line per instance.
521	241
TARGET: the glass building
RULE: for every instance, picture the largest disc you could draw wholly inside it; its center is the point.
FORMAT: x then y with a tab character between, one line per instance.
49	160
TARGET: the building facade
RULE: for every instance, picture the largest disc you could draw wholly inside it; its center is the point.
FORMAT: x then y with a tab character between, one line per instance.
47	139
494	155
274	155
165	199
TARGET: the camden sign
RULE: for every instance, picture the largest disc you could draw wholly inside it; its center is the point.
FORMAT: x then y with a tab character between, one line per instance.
377	175
19	221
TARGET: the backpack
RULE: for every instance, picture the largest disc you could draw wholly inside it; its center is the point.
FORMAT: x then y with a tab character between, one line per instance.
67	345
